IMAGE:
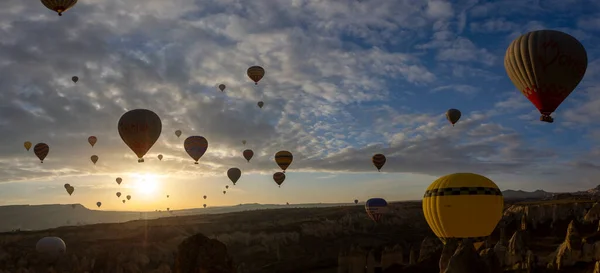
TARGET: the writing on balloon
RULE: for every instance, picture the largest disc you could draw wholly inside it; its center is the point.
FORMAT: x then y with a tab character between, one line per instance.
552	55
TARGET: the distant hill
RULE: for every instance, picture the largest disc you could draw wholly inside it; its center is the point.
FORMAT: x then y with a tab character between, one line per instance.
37	217
519	194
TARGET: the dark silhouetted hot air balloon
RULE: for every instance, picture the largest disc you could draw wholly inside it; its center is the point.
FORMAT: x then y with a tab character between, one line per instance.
204	197
224	192
546	66
167	196
227	187
222	87
178	133
284	159
378	161
94	159
463	205
160	157
376	208
195	146
355	201
70	189
118	194
128	197
248	154
75	79
279	177
140	129
119	180
59	6
234	174
255	73
50	248
204	205
123	201
27	145
92	140
244	142
98	204
260	104
41	150
453	115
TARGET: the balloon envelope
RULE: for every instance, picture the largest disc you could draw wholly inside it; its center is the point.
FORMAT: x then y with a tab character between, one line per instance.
234	174
119	180
255	73
284	159
51	247
195	146
453	115
41	150
376	208
94	158
27	145
378	160
546	66
260	104
279	177
140	129
178	133
222	87
248	154
92	140
463	205
75	79
59	6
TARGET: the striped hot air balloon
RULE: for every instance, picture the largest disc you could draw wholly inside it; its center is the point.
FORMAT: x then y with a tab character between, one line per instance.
463	206
376	208
279	177
41	150
378	161
284	159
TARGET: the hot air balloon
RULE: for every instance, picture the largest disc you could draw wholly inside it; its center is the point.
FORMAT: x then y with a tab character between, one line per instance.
224	192
98	204
123	201
160	157
453	115
378	161
204	197
94	159
204	205
279	177
195	146
376	208
244	142
355	201
284	159
168	209
140	129
41	150
546	66
75	79
67	185
260	104
234	174
128	197
27	145
119	180
167	196
59	6
70	189
178	133
51	247
248	154
118	194
463	205
92	140
222	87
255	73
227	186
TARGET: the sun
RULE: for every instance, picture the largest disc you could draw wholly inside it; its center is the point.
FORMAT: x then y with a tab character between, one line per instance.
146	183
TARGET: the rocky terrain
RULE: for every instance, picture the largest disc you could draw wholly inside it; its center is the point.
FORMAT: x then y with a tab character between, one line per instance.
556	235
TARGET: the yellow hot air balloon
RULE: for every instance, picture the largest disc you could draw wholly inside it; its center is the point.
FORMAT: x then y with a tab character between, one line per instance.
27	145
140	129
463	205
255	73
546	66
284	159
94	159
59	6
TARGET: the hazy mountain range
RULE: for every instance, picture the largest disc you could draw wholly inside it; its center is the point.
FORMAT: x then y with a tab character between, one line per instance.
36	217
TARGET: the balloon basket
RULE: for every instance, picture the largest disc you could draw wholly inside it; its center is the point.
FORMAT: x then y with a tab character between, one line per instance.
546	118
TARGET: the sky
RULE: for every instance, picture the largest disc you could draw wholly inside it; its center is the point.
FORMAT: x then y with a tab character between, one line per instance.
344	80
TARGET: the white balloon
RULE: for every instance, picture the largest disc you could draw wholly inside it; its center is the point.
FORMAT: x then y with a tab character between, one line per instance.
51	246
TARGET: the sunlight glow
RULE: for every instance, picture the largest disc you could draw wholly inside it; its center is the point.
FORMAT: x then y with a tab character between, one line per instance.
146	184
